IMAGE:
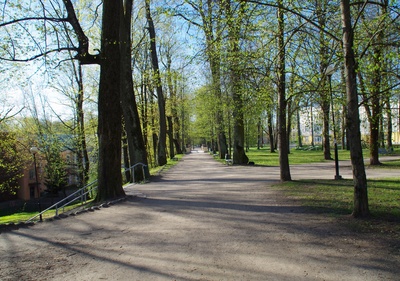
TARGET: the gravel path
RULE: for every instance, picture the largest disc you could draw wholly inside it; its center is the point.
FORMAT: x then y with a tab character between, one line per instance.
201	220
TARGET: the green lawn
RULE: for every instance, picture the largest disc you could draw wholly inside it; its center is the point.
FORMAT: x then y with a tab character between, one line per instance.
335	199
264	157
24	216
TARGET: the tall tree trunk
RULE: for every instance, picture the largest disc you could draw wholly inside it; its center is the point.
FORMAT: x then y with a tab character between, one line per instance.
259	135
239	154
162	137
321	11
299	136
171	137
389	133
109	109
125	154
83	155
312	125
360	208
270	132
136	145
326	141
376	116
282	134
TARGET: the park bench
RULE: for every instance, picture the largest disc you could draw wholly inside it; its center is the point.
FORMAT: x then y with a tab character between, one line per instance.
228	160
382	150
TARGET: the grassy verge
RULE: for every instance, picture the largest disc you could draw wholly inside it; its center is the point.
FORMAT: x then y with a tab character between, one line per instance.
264	157
335	198
24	216
170	163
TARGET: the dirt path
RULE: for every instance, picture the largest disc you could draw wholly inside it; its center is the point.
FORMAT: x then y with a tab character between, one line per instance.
200	221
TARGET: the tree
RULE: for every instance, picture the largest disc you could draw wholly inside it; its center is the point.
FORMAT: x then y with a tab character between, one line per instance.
282	102
360	208
12	162
162	137
211	24
109	107
136	146
55	168
234	25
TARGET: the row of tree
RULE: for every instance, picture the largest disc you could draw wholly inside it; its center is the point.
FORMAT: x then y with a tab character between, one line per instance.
262	59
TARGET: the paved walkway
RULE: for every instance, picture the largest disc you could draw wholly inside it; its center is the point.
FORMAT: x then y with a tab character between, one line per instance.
201	220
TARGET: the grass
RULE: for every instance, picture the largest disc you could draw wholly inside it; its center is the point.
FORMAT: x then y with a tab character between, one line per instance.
170	163
335	199
24	216
264	157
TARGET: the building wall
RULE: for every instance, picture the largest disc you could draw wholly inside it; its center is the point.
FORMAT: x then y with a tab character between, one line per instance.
27	183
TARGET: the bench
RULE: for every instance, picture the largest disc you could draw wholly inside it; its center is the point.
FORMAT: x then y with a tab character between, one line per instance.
382	150
228	160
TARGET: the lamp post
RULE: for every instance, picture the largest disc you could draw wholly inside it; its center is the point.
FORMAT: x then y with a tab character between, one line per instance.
328	72
34	150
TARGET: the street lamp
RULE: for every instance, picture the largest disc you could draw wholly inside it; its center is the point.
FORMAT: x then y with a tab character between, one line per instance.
328	72
35	150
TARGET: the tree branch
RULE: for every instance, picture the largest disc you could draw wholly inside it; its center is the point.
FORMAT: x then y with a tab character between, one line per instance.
83	50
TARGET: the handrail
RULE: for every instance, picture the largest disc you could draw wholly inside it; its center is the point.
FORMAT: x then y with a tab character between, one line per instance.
144	167
81	196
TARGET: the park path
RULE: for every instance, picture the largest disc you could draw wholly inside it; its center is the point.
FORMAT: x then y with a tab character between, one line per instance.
200	220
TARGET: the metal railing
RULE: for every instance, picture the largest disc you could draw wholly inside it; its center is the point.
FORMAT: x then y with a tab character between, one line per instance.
145	171
80	194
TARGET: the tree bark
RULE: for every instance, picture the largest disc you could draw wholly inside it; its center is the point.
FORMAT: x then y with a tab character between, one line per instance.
360	208
270	133
83	156
282	102
162	137
239	154
326	141
321	9
136	145
109	109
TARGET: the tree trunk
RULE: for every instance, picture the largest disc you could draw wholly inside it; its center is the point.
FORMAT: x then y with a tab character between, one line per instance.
326	141
282	134
109	109
299	137
360	208
271	133
162	137
125	154
171	137
136	145
239	154
321	8
389	124
84	163
259	135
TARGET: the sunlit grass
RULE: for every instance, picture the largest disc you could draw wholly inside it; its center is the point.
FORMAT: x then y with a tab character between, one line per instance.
335	198
24	216
264	157
170	163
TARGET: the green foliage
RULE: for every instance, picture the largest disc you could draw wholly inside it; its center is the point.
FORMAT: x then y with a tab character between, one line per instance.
11	163
55	168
